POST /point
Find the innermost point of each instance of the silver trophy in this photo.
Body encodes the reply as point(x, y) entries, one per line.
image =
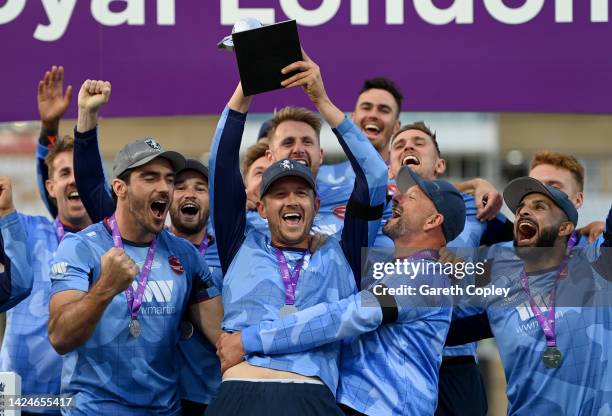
point(240, 26)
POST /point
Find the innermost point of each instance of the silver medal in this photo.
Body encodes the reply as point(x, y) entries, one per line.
point(552, 357)
point(134, 327)
point(288, 310)
point(186, 330)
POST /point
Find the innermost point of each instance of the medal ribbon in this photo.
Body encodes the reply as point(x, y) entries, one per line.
point(134, 300)
point(204, 245)
point(59, 230)
point(290, 279)
point(547, 323)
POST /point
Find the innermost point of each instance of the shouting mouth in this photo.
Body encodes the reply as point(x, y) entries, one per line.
point(159, 208)
point(190, 210)
point(74, 196)
point(292, 219)
point(526, 232)
point(302, 161)
point(411, 160)
point(372, 129)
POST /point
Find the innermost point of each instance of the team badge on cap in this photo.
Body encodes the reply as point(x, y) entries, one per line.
point(153, 144)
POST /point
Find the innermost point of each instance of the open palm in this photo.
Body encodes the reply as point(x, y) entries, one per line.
point(52, 100)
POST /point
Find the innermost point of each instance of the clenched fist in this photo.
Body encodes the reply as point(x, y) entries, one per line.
point(117, 270)
point(6, 196)
point(93, 95)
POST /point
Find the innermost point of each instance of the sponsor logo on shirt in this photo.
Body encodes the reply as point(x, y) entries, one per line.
point(59, 268)
point(159, 293)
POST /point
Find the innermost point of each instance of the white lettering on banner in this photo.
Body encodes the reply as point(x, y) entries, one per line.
point(11, 10)
point(323, 14)
point(599, 11)
point(462, 11)
point(231, 13)
point(133, 14)
point(514, 16)
point(360, 12)
point(166, 13)
point(59, 13)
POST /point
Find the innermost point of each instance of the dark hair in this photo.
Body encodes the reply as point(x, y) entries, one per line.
point(382, 83)
point(125, 177)
point(422, 127)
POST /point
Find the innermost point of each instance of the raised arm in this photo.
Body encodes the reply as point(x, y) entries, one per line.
point(75, 308)
point(52, 105)
point(365, 206)
point(91, 183)
point(17, 279)
point(227, 193)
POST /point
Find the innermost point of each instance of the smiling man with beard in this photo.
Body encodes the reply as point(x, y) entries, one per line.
point(461, 388)
point(120, 346)
point(271, 274)
point(553, 329)
point(390, 361)
point(199, 372)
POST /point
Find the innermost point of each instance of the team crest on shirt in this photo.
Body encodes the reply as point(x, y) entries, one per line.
point(339, 211)
point(176, 265)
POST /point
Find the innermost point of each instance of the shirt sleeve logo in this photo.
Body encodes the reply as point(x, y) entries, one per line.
point(59, 268)
point(176, 265)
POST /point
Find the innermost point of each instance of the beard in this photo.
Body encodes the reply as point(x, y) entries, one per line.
point(138, 208)
point(189, 228)
point(546, 239)
point(395, 230)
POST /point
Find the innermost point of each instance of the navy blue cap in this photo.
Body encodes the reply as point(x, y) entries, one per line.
point(264, 129)
point(193, 164)
point(519, 188)
point(445, 197)
point(282, 169)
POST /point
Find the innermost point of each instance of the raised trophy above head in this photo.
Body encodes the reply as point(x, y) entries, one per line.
point(240, 26)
